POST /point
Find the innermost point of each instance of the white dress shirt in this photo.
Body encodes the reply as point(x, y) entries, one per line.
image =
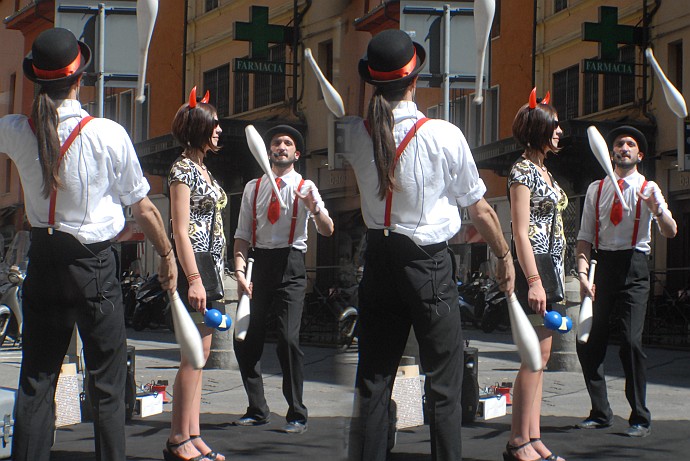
point(614, 238)
point(100, 173)
point(436, 174)
point(277, 235)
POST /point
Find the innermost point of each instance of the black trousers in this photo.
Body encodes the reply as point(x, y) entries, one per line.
point(622, 282)
point(69, 283)
point(405, 286)
point(280, 281)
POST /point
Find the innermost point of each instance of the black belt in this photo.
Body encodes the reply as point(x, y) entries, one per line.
point(382, 234)
point(46, 234)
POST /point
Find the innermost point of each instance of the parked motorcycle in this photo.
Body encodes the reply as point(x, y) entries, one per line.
point(14, 271)
point(471, 299)
point(152, 308)
point(495, 316)
point(130, 285)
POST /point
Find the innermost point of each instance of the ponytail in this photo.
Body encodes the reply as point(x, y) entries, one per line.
point(45, 119)
point(381, 123)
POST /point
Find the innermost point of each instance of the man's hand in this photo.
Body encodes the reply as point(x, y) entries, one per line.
point(167, 272)
point(505, 272)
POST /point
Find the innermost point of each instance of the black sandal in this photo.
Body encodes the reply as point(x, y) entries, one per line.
point(212, 455)
point(509, 454)
point(551, 457)
point(168, 455)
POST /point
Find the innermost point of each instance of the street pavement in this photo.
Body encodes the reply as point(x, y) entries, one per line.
point(328, 395)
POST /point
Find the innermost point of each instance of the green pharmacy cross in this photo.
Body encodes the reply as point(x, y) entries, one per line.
point(609, 33)
point(259, 32)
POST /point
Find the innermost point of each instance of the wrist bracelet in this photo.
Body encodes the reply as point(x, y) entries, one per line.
point(505, 254)
point(166, 254)
point(533, 279)
point(193, 276)
point(583, 273)
point(240, 270)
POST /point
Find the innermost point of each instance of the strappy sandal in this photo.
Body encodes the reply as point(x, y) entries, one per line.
point(212, 455)
point(509, 454)
point(551, 457)
point(168, 454)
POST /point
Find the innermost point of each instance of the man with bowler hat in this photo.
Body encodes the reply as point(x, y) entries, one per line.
point(619, 241)
point(77, 173)
point(277, 240)
point(413, 175)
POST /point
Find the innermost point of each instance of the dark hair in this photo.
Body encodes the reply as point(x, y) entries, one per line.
point(533, 128)
point(45, 118)
point(381, 123)
point(194, 126)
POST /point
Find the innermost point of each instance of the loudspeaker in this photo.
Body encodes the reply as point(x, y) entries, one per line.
point(130, 390)
point(469, 399)
point(130, 383)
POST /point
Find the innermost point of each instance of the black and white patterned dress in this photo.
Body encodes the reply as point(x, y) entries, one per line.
point(542, 199)
point(203, 198)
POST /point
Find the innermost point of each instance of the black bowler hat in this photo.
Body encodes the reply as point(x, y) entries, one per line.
point(57, 58)
point(630, 131)
point(286, 130)
point(392, 59)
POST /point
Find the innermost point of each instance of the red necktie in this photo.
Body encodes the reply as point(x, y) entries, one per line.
point(274, 206)
point(617, 207)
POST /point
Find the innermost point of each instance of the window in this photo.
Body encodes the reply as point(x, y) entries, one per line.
point(325, 60)
point(217, 83)
point(491, 115)
point(433, 111)
point(240, 92)
point(124, 114)
point(566, 92)
point(270, 88)
point(620, 89)
point(559, 5)
point(675, 64)
point(474, 128)
point(590, 98)
point(141, 118)
point(110, 107)
point(458, 113)
point(210, 5)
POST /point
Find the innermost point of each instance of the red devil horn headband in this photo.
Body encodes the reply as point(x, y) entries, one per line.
point(533, 98)
point(192, 98)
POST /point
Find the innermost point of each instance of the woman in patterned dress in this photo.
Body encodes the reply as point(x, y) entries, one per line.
point(533, 195)
point(195, 197)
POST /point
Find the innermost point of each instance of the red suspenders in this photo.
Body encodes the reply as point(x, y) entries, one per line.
point(398, 152)
point(63, 150)
point(638, 210)
point(293, 223)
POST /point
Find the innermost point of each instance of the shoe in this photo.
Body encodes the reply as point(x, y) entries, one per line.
point(638, 430)
point(295, 427)
point(509, 454)
point(551, 457)
point(168, 455)
point(593, 424)
point(250, 421)
point(212, 455)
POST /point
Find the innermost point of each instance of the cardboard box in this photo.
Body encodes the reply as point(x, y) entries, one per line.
point(407, 397)
point(149, 404)
point(67, 403)
point(491, 406)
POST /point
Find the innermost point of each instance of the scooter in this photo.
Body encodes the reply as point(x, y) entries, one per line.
point(152, 308)
point(11, 314)
point(472, 299)
point(130, 285)
point(11, 317)
point(495, 316)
